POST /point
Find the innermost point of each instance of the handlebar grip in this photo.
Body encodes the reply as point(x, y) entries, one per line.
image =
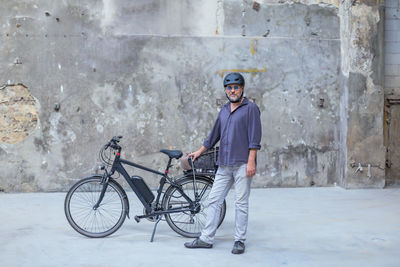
point(116, 138)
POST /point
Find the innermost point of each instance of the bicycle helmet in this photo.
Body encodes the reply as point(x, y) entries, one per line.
point(233, 78)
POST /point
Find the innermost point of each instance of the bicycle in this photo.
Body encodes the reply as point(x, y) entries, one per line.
point(97, 206)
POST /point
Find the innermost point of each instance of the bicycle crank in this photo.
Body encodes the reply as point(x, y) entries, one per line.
point(151, 218)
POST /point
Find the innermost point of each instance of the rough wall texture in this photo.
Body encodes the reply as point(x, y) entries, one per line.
point(19, 113)
point(363, 151)
point(152, 72)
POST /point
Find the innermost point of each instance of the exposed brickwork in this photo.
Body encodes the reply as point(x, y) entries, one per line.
point(19, 114)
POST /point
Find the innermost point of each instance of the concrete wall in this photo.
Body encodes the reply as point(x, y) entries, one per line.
point(152, 72)
point(362, 98)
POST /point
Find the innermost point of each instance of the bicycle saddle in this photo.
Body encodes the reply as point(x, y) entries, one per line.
point(176, 154)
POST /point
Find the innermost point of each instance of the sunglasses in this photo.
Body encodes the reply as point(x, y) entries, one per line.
point(230, 87)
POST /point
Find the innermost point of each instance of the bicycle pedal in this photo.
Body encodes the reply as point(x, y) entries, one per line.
point(137, 219)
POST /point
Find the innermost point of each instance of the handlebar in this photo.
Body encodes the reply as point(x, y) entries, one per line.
point(113, 143)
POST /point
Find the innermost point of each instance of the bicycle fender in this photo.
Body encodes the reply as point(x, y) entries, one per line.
point(189, 175)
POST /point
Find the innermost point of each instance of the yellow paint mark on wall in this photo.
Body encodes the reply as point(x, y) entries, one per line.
point(253, 44)
point(253, 71)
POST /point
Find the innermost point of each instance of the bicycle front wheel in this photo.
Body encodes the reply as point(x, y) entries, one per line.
point(84, 218)
point(186, 223)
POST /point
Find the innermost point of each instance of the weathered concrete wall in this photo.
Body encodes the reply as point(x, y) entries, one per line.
point(362, 97)
point(152, 72)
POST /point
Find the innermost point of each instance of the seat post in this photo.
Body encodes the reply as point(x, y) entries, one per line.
point(169, 165)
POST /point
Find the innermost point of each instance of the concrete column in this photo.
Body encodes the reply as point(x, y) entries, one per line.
point(362, 98)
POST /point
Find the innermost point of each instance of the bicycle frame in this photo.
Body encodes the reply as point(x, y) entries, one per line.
point(118, 167)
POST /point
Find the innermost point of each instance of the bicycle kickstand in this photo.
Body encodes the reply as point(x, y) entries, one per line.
point(155, 227)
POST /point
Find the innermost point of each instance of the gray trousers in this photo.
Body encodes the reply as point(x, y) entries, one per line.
point(224, 179)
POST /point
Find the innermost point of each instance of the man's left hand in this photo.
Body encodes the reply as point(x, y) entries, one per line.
point(250, 169)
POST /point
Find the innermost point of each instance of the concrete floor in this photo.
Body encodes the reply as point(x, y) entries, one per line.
point(287, 227)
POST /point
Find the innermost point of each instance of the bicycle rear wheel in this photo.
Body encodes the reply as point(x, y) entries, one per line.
point(100, 222)
point(186, 223)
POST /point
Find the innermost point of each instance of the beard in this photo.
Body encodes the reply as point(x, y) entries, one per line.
point(234, 98)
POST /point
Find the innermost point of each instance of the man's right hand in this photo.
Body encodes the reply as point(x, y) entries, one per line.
point(197, 154)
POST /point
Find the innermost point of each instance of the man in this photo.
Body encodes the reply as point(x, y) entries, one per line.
point(238, 128)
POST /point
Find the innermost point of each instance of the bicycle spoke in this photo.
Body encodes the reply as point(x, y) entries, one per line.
point(186, 223)
point(203, 191)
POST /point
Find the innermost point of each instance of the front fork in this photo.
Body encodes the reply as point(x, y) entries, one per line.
point(104, 182)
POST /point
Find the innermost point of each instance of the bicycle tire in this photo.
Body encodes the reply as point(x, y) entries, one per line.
point(103, 221)
point(185, 223)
